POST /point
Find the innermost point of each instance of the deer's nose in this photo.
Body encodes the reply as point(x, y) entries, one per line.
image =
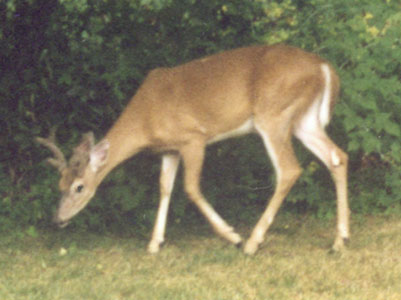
point(60, 223)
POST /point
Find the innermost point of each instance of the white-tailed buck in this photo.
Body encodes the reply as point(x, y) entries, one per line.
point(275, 91)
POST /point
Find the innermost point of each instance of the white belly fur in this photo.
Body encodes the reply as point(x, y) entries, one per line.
point(245, 128)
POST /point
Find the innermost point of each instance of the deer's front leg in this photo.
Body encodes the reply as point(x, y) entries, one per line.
point(193, 155)
point(168, 173)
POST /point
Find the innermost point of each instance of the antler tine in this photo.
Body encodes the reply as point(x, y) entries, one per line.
point(58, 160)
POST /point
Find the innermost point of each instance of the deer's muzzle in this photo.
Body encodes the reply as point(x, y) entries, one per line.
point(60, 223)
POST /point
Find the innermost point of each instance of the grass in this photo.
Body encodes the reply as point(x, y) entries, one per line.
point(294, 263)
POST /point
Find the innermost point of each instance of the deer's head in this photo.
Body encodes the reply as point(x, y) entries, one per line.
point(79, 176)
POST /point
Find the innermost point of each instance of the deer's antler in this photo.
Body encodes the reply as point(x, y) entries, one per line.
point(58, 160)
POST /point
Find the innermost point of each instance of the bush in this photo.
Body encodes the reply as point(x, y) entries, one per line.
point(75, 64)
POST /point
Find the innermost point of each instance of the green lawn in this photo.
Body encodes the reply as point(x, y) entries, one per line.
point(294, 263)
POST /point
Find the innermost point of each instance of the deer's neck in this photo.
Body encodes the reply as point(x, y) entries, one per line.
point(126, 138)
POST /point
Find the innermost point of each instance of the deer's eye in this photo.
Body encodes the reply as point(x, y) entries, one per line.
point(80, 188)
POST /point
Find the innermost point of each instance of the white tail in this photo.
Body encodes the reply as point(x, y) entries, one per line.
point(276, 91)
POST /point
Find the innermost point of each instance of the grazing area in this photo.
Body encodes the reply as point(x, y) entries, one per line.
point(293, 263)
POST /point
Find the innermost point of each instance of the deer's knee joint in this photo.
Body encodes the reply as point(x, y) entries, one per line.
point(193, 193)
point(289, 176)
point(338, 158)
point(297, 171)
point(165, 190)
point(294, 173)
point(335, 159)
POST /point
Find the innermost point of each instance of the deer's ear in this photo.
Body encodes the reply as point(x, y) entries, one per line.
point(87, 143)
point(99, 154)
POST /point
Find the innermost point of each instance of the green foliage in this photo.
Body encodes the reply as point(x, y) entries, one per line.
point(75, 64)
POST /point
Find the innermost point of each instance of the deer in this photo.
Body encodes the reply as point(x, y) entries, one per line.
point(276, 91)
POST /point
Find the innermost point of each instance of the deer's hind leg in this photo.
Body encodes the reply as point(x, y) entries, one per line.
point(336, 160)
point(276, 136)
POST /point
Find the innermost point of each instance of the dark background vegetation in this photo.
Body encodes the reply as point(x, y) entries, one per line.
point(75, 64)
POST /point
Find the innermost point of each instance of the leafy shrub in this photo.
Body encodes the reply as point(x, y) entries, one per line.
point(75, 64)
